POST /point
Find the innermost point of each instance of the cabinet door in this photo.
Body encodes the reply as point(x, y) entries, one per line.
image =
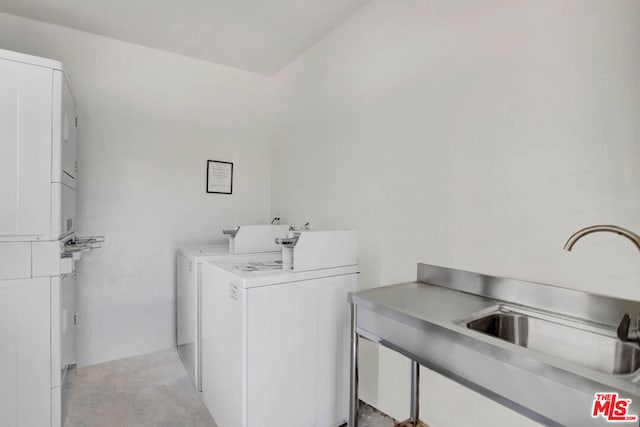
point(25, 151)
point(25, 394)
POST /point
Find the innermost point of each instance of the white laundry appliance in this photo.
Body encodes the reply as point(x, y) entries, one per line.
point(243, 240)
point(38, 246)
point(275, 342)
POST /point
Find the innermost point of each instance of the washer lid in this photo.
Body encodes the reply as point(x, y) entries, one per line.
point(232, 270)
point(204, 251)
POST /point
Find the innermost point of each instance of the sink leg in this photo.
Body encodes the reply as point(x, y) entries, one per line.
point(414, 418)
point(415, 392)
point(353, 391)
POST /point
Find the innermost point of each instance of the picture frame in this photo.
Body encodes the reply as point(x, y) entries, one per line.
point(219, 177)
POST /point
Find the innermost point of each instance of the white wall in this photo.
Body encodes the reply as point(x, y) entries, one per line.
point(474, 135)
point(149, 120)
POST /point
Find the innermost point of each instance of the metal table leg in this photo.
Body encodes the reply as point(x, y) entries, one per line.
point(354, 402)
point(415, 392)
point(414, 418)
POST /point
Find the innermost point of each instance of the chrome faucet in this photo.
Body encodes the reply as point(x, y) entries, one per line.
point(596, 228)
point(623, 328)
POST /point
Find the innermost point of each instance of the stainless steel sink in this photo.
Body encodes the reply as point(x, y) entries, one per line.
point(590, 345)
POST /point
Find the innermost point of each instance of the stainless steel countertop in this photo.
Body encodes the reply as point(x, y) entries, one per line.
point(416, 304)
point(424, 322)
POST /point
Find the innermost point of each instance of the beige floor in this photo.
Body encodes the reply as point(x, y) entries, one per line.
point(149, 391)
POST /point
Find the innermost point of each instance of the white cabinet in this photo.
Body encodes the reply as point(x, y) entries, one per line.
point(25, 152)
point(37, 208)
point(25, 391)
point(38, 163)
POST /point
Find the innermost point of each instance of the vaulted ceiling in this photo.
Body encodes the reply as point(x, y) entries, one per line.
point(255, 35)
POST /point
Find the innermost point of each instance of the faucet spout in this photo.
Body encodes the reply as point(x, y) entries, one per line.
point(635, 239)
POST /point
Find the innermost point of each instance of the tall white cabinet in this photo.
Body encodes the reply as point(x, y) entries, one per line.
point(38, 172)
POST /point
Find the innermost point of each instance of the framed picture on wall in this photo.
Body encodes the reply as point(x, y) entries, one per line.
point(219, 177)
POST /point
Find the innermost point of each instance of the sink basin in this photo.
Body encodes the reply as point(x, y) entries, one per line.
point(589, 345)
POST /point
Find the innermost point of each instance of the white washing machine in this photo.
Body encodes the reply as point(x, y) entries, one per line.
point(275, 343)
point(251, 239)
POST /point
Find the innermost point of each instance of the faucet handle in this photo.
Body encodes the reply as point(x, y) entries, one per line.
point(623, 328)
point(623, 331)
